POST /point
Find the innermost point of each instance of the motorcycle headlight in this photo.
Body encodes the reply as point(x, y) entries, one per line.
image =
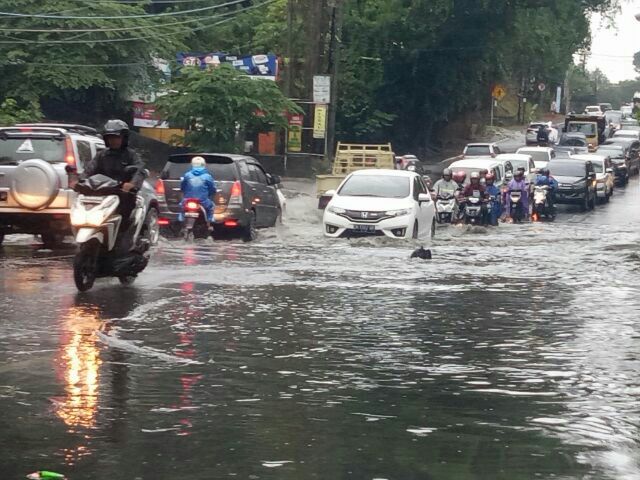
point(397, 213)
point(337, 210)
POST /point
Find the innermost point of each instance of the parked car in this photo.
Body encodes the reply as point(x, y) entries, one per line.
point(492, 165)
point(481, 150)
point(576, 182)
point(391, 203)
point(37, 166)
point(605, 174)
point(541, 155)
point(246, 197)
point(632, 152)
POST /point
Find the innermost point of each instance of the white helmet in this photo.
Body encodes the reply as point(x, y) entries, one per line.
point(198, 162)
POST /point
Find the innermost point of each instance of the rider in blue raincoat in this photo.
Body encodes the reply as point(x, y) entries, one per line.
point(198, 183)
point(494, 193)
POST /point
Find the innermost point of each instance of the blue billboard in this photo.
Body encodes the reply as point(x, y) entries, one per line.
point(265, 66)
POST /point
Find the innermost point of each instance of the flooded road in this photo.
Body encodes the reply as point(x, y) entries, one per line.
point(513, 354)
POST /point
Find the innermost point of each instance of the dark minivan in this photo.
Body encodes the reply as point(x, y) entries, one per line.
point(576, 182)
point(246, 197)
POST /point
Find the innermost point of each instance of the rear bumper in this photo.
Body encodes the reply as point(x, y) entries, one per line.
point(35, 222)
point(571, 196)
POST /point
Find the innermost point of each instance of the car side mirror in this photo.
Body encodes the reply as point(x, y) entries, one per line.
point(424, 198)
point(274, 179)
point(329, 193)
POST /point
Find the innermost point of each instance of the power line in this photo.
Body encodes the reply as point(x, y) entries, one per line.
point(21, 41)
point(118, 17)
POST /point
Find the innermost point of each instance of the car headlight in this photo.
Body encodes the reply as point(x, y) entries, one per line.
point(337, 210)
point(397, 213)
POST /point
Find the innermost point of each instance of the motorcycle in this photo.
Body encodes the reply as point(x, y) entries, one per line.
point(474, 210)
point(445, 207)
point(541, 204)
point(96, 225)
point(195, 219)
point(517, 210)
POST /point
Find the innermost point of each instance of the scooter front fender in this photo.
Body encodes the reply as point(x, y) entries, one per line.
point(84, 234)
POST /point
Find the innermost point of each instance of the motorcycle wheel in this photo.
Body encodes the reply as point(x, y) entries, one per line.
point(85, 266)
point(127, 280)
point(152, 229)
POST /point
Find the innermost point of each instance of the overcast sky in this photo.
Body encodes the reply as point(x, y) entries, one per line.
point(613, 48)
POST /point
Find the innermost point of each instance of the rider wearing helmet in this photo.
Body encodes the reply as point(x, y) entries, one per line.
point(475, 188)
point(519, 182)
point(494, 195)
point(198, 183)
point(459, 178)
point(113, 162)
point(545, 178)
point(446, 185)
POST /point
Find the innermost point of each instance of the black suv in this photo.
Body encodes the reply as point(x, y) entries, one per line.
point(632, 152)
point(246, 197)
point(576, 182)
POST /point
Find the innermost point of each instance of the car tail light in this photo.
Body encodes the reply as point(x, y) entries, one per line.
point(163, 222)
point(192, 205)
point(231, 223)
point(236, 193)
point(70, 155)
point(160, 188)
point(25, 129)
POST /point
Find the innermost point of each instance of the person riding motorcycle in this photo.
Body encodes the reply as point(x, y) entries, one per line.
point(519, 182)
point(113, 162)
point(545, 178)
point(446, 185)
point(470, 190)
point(494, 194)
point(198, 183)
point(459, 178)
point(543, 135)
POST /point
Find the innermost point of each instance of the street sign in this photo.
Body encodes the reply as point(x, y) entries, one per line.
point(322, 89)
point(498, 92)
point(542, 87)
point(320, 121)
point(294, 137)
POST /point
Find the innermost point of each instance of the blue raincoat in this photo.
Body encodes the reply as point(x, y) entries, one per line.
point(496, 205)
point(199, 183)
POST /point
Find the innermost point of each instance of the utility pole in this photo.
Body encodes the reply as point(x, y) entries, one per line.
point(290, 62)
point(337, 18)
point(567, 89)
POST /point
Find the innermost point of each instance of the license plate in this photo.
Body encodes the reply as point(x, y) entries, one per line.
point(364, 228)
point(192, 215)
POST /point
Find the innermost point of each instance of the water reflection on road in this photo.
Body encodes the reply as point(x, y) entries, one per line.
point(514, 354)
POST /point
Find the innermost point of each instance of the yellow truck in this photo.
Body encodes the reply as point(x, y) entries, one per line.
point(349, 158)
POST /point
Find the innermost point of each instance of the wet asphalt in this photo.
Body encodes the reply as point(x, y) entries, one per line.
point(513, 354)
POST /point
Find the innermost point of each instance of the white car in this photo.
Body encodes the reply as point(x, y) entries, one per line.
point(491, 165)
point(593, 110)
point(481, 150)
point(541, 155)
point(605, 176)
point(391, 203)
point(514, 161)
point(633, 134)
point(627, 111)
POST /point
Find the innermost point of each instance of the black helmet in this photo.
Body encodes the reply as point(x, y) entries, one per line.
point(117, 127)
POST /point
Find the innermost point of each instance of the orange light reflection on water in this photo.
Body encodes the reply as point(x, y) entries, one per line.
point(78, 364)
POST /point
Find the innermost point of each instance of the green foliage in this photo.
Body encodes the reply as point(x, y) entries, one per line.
point(218, 105)
point(11, 112)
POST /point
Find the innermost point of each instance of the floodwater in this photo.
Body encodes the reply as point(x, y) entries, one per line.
point(513, 354)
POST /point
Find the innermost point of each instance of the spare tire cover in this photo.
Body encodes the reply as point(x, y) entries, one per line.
point(34, 184)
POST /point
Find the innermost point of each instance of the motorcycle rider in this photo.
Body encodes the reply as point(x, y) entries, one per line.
point(446, 185)
point(519, 182)
point(494, 192)
point(198, 183)
point(543, 135)
point(469, 190)
point(545, 178)
point(459, 178)
point(112, 163)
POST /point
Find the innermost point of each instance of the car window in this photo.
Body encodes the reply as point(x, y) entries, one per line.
point(257, 174)
point(553, 154)
point(497, 150)
point(222, 170)
point(244, 170)
point(84, 151)
point(14, 150)
point(497, 175)
point(477, 150)
point(380, 186)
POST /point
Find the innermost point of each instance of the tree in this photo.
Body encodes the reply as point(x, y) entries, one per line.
point(216, 105)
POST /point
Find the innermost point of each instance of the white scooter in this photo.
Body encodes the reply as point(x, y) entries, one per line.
point(445, 207)
point(96, 226)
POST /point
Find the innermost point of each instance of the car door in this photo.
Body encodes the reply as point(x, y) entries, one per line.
point(263, 198)
point(425, 209)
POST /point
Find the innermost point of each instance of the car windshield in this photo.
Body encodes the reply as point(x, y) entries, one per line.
point(611, 152)
point(630, 127)
point(589, 129)
point(573, 141)
point(573, 169)
point(383, 186)
point(520, 164)
point(626, 133)
point(223, 171)
point(477, 150)
point(537, 155)
point(15, 150)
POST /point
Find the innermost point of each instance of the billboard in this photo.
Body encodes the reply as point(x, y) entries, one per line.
point(145, 115)
point(260, 66)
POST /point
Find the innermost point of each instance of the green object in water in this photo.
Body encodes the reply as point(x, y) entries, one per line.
point(45, 475)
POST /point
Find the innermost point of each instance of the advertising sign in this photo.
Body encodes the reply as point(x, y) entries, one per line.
point(259, 66)
point(320, 121)
point(144, 115)
point(294, 137)
point(322, 89)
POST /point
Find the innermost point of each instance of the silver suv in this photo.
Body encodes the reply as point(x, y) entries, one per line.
point(37, 164)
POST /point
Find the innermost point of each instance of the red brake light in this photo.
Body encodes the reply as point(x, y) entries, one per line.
point(70, 156)
point(236, 189)
point(163, 222)
point(230, 223)
point(25, 129)
point(159, 187)
point(192, 205)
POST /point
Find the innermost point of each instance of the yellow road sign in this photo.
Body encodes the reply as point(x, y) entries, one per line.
point(498, 92)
